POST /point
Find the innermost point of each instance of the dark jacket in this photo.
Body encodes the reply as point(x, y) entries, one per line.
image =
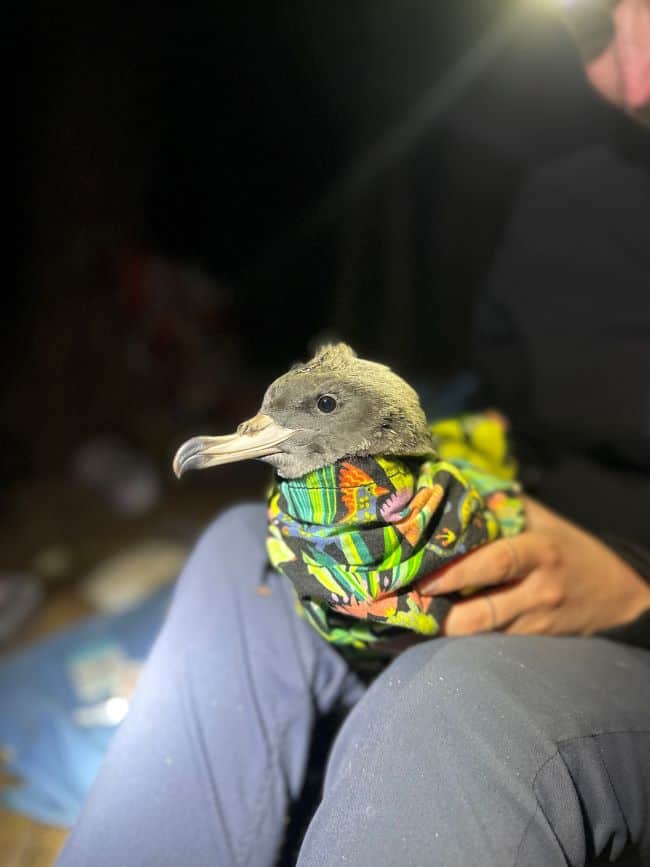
point(562, 344)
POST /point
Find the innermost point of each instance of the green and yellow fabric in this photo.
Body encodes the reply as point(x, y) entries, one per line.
point(353, 537)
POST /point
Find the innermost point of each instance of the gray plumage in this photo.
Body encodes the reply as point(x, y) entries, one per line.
point(334, 406)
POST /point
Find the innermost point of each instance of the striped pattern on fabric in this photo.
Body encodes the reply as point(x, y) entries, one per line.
point(353, 537)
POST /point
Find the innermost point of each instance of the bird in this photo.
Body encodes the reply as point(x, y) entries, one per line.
point(334, 405)
point(369, 496)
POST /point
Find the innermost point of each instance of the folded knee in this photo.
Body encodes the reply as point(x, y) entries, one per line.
point(460, 686)
point(236, 528)
point(472, 659)
point(231, 547)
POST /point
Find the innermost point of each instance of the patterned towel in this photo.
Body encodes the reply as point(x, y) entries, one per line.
point(355, 535)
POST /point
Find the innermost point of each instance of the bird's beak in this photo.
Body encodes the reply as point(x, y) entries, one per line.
point(256, 438)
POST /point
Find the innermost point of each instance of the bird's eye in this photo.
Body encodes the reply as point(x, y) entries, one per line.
point(326, 403)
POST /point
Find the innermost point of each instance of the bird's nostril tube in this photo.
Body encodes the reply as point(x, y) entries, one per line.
point(254, 425)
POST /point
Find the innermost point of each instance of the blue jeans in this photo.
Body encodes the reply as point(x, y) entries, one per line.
point(491, 750)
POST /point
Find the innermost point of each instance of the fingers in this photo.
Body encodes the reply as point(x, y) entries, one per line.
point(495, 563)
point(528, 607)
point(533, 623)
point(537, 515)
point(488, 612)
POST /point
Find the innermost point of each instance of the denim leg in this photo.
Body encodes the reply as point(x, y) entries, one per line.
point(202, 770)
point(496, 750)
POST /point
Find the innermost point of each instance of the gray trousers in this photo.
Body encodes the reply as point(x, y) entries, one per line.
point(491, 750)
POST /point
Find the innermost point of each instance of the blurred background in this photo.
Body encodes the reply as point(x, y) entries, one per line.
point(203, 190)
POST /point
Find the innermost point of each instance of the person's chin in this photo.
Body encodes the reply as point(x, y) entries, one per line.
point(642, 115)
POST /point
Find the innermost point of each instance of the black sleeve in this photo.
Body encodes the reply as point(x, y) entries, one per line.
point(561, 331)
point(638, 631)
point(562, 345)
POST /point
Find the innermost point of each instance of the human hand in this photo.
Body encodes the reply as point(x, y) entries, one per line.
point(552, 579)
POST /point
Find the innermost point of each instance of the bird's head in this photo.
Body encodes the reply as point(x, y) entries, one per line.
point(336, 405)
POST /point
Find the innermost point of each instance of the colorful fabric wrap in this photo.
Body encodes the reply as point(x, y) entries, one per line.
point(353, 537)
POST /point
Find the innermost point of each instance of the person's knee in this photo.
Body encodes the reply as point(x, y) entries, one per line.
point(473, 661)
point(432, 745)
point(240, 525)
point(231, 548)
point(448, 693)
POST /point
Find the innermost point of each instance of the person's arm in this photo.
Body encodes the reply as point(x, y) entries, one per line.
point(553, 579)
point(638, 557)
point(554, 350)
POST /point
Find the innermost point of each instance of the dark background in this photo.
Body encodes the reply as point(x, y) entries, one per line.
point(170, 253)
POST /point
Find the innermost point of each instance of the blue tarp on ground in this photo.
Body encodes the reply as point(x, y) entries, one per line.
point(42, 690)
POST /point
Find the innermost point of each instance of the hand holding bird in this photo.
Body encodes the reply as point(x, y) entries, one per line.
point(552, 579)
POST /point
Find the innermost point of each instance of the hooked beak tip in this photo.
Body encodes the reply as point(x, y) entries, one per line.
point(188, 455)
